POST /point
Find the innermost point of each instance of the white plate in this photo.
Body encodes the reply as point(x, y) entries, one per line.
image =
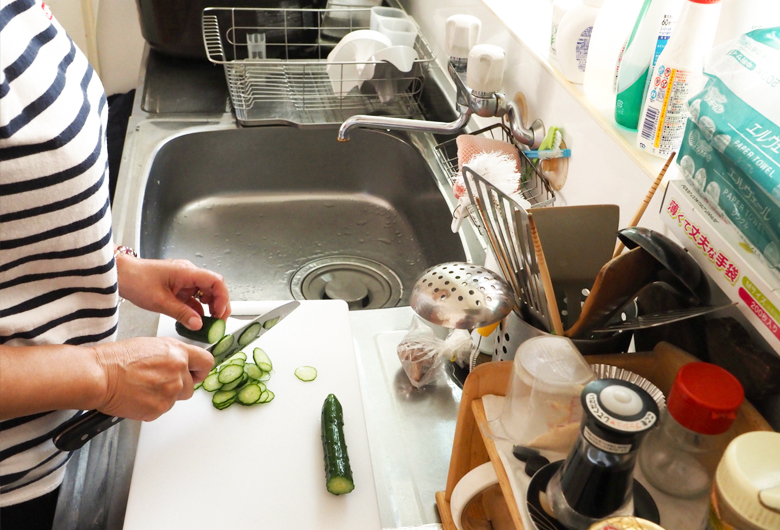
point(347, 60)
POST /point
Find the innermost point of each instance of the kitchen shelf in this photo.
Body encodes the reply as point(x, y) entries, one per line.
point(473, 445)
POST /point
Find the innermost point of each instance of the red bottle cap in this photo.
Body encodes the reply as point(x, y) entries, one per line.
point(705, 1)
point(704, 398)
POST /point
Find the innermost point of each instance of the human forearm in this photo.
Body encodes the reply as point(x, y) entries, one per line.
point(42, 378)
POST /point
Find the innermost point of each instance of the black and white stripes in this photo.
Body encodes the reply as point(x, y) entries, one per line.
point(57, 271)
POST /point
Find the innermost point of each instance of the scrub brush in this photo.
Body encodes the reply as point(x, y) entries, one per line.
point(498, 169)
point(553, 157)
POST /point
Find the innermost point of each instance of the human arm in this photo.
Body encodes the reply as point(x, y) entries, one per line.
point(138, 378)
point(169, 287)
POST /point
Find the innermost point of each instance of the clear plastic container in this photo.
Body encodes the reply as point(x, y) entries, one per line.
point(542, 408)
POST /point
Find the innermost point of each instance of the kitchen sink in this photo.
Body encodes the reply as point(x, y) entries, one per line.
point(287, 212)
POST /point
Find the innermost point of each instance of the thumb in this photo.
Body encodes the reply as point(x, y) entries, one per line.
point(184, 314)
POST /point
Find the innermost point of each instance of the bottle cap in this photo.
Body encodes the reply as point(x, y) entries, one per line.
point(748, 478)
point(704, 398)
point(705, 1)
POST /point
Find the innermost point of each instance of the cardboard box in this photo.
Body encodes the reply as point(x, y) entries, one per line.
point(726, 257)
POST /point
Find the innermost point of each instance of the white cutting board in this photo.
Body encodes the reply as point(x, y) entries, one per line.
point(198, 468)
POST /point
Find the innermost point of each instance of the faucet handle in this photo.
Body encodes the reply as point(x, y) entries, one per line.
point(461, 34)
point(485, 70)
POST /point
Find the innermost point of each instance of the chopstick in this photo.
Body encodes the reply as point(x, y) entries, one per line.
point(544, 272)
point(642, 207)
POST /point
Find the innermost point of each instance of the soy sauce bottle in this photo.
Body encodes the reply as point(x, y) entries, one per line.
point(596, 479)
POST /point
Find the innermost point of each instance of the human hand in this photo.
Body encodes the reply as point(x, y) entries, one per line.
point(169, 287)
point(145, 376)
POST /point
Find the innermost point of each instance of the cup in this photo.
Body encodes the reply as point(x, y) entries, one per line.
point(400, 30)
point(379, 14)
point(542, 408)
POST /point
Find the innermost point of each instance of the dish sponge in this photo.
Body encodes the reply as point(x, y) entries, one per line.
point(470, 146)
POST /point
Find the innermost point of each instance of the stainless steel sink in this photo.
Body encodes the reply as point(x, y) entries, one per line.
point(286, 212)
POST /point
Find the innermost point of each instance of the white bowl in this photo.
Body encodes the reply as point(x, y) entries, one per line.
point(387, 81)
point(348, 59)
point(400, 31)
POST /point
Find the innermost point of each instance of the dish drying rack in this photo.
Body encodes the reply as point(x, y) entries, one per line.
point(504, 223)
point(292, 83)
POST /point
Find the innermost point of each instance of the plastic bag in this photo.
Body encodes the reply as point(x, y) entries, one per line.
point(421, 353)
point(731, 146)
point(459, 347)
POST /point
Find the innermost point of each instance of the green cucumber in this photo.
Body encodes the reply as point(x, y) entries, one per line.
point(249, 334)
point(230, 373)
point(262, 360)
point(211, 383)
point(338, 474)
point(237, 384)
point(223, 347)
point(268, 324)
point(253, 371)
point(223, 399)
point(210, 332)
point(249, 395)
point(306, 373)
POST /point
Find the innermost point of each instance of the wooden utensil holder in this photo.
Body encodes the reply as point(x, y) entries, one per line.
point(473, 447)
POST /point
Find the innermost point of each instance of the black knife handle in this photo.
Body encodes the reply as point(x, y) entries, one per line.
point(74, 433)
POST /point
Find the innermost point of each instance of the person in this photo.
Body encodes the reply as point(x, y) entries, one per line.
point(61, 276)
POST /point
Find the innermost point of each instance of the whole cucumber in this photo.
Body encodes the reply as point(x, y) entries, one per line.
point(338, 474)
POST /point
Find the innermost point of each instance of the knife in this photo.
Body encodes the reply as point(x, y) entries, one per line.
point(661, 318)
point(74, 433)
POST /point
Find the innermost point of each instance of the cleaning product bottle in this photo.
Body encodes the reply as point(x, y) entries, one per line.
point(648, 38)
point(573, 39)
point(678, 71)
point(610, 31)
point(743, 16)
point(560, 7)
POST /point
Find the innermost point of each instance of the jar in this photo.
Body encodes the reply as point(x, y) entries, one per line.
point(746, 490)
point(680, 456)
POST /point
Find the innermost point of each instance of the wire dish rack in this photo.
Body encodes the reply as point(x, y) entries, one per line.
point(504, 223)
point(292, 82)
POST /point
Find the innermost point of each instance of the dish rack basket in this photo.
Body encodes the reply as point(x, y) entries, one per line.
point(504, 223)
point(291, 84)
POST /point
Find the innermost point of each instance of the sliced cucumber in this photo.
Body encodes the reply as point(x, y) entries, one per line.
point(238, 356)
point(265, 377)
point(223, 346)
point(250, 334)
point(261, 360)
point(269, 397)
point(210, 332)
point(223, 399)
point(306, 373)
point(253, 371)
point(264, 396)
point(211, 383)
point(230, 373)
point(338, 474)
point(236, 384)
point(268, 324)
point(249, 395)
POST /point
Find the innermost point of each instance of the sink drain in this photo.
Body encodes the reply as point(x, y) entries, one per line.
point(362, 283)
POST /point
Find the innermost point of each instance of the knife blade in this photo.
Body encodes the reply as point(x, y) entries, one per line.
point(76, 432)
point(661, 318)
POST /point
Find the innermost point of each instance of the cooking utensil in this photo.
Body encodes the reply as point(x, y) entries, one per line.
point(663, 317)
point(544, 273)
point(578, 241)
point(459, 295)
point(680, 270)
point(74, 433)
point(617, 283)
point(642, 207)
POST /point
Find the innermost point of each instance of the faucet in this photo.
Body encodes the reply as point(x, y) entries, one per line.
point(482, 66)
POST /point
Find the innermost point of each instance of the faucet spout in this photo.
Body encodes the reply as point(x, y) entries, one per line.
point(402, 124)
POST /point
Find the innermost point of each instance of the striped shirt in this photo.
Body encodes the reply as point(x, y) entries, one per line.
point(58, 282)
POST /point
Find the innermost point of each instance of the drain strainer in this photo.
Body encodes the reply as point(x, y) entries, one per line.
point(362, 283)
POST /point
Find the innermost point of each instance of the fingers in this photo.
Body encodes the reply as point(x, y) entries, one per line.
point(210, 286)
point(200, 363)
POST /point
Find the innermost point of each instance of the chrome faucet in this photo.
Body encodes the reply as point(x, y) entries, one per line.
point(483, 68)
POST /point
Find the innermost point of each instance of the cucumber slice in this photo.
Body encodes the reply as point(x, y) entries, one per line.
point(210, 332)
point(306, 373)
point(236, 384)
point(338, 474)
point(261, 360)
point(198, 386)
point(223, 399)
point(250, 334)
point(238, 356)
point(249, 395)
point(211, 383)
point(230, 373)
point(237, 362)
point(268, 324)
point(270, 397)
point(264, 396)
point(265, 377)
point(223, 346)
point(253, 371)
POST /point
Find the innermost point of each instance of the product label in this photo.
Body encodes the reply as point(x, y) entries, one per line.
point(762, 315)
point(609, 447)
point(581, 50)
point(645, 422)
point(666, 111)
point(663, 36)
point(553, 34)
point(719, 260)
point(617, 66)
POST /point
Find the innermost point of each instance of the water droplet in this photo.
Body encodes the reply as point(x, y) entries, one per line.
point(198, 255)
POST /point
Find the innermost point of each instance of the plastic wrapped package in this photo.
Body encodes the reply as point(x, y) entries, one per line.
point(421, 353)
point(731, 146)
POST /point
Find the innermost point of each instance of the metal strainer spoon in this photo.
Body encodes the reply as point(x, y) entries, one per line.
point(459, 295)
